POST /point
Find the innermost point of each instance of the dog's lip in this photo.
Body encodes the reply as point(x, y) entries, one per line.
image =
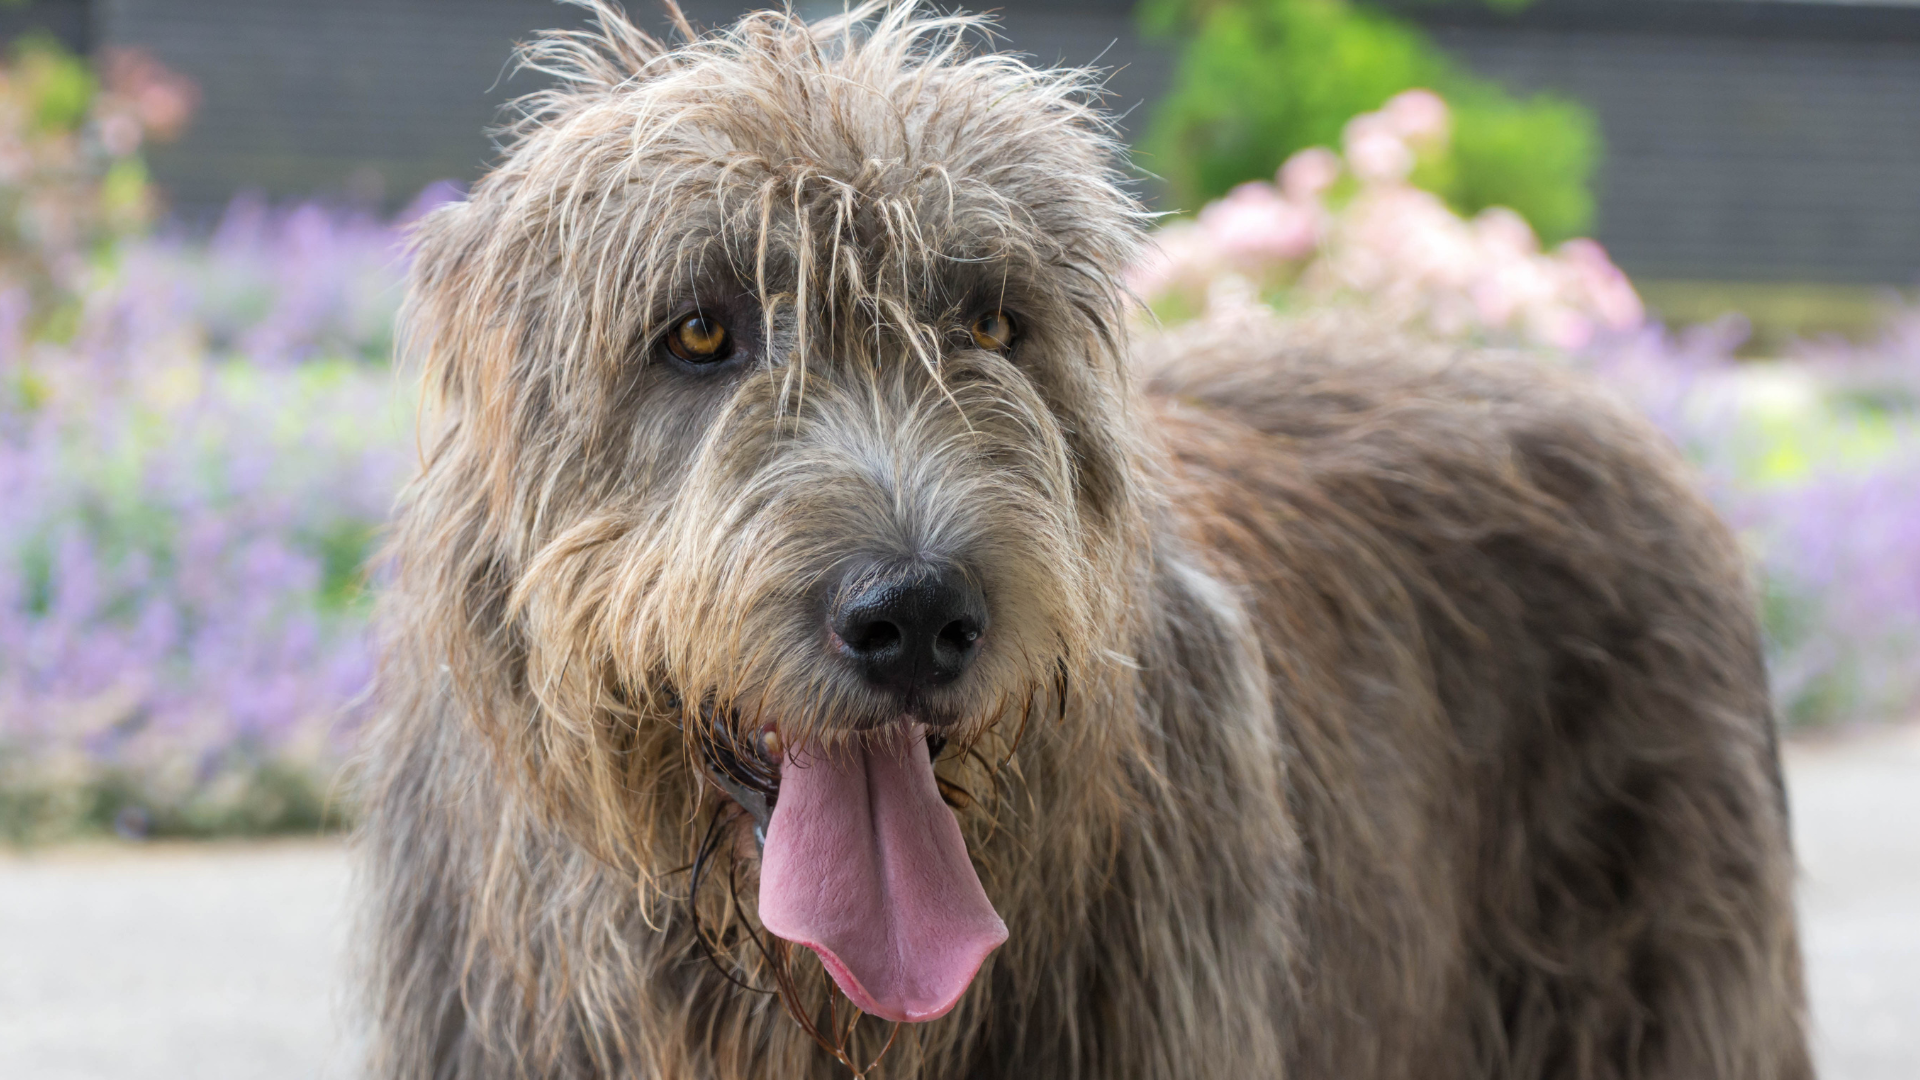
point(758, 803)
point(754, 794)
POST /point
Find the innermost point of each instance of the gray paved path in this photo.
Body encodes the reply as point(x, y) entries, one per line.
point(193, 962)
point(1856, 807)
point(223, 961)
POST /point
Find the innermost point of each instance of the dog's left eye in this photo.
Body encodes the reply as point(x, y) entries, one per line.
point(698, 339)
point(994, 331)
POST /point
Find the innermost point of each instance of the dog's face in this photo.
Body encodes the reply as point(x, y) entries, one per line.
point(781, 380)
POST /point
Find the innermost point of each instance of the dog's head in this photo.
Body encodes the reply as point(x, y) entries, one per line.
point(781, 455)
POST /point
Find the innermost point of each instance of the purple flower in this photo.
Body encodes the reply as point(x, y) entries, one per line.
point(193, 480)
point(1816, 460)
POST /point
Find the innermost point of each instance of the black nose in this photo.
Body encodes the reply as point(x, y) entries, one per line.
point(911, 631)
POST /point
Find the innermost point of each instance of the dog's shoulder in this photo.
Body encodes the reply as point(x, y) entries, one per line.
point(1341, 400)
point(1320, 377)
point(1434, 453)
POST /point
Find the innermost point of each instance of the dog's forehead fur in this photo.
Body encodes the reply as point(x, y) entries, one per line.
point(871, 163)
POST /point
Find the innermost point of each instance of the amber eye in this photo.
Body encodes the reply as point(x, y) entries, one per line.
point(994, 331)
point(699, 340)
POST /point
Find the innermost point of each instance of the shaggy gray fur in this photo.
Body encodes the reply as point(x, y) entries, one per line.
point(1353, 708)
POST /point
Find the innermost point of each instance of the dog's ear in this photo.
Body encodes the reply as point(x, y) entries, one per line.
point(465, 329)
point(470, 308)
point(443, 282)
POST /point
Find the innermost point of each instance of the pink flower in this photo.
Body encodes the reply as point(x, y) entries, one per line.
point(1309, 173)
point(1376, 150)
point(1179, 255)
point(119, 134)
point(1420, 117)
point(1395, 249)
point(1560, 327)
point(1255, 223)
point(1502, 229)
point(162, 99)
point(1605, 287)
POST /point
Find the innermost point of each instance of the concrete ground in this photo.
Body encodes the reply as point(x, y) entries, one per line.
point(1856, 807)
point(173, 962)
point(209, 962)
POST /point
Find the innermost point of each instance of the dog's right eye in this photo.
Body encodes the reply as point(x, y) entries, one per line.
point(698, 339)
point(995, 331)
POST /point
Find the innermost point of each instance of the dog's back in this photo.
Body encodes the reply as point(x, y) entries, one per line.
point(1541, 804)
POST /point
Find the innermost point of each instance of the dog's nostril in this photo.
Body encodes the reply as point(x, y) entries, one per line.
point(910, 631)
point(875, 636)
point(960, 633)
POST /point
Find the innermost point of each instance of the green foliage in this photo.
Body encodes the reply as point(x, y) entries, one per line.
point(1536, 157)
point(1506, 6)
point(57, 84)
point(260, 799)
point(344, 550)
point(74, 184)
point(1259, 80)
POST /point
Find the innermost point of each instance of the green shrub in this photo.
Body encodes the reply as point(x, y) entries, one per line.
point(73, 183)
point(1261, 79)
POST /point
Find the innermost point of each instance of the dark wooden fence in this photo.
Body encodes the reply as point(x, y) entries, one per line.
point(1750, 140)
point(1747, 139)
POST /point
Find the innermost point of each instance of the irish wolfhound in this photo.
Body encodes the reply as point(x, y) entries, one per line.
point(806, 554)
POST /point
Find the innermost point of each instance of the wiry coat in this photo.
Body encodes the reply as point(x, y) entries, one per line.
point(1353, 709)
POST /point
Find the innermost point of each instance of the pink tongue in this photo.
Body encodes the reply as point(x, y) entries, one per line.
point(865, 865)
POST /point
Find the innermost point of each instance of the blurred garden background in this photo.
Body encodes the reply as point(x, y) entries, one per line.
point(202, 206)
point(1713, 205)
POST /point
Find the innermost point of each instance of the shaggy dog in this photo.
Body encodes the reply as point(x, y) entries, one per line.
point(822, 633)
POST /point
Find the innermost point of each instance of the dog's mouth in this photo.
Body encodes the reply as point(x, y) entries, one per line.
point(748, 772)
point(863, 862)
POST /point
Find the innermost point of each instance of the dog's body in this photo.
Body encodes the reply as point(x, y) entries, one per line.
point(1341, 708)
